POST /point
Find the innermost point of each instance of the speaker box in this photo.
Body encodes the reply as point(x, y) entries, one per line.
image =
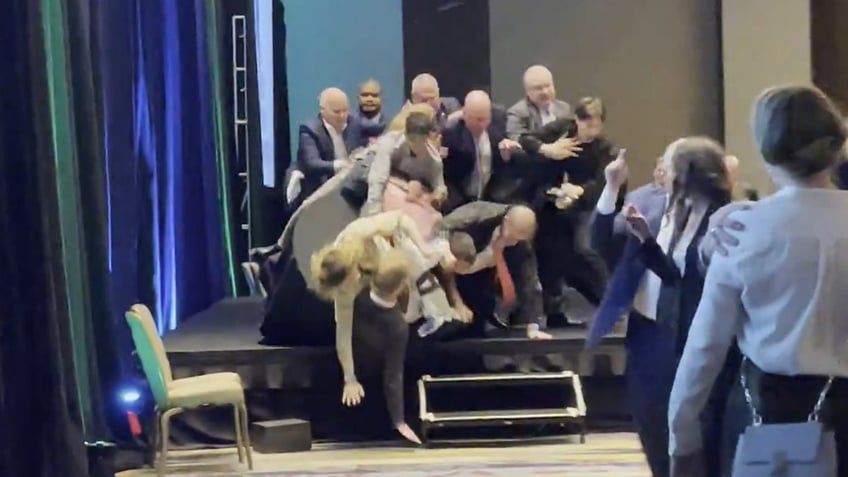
point(284, 435)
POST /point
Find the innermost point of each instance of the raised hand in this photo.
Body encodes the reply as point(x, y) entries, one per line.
point(637, 224)
point(616, 171)
point(352, 394)
point(564, 148)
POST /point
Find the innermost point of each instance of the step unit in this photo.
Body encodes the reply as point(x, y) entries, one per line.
point(572, 411)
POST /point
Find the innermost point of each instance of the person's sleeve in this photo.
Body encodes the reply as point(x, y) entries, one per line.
point(343, 307)
point(659, 262)
point(532, 141)
point(716, 324)
point(393, 372)
point(530, 289)
point(592, 189)
point(378, 175)
point(516, 124)
point(310, 161)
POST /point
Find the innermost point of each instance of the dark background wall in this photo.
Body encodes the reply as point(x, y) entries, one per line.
point(656, 63)
point(449, 39)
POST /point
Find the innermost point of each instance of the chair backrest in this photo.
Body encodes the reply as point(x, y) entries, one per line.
point(151, 352)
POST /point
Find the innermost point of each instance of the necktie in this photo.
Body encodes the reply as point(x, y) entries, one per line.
point(502, 276)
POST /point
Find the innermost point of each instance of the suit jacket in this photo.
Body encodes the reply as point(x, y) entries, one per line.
point(585, 170)
point(680, 293)
point(479, 220)
point(315, 151)
point(449, 105)
point(524, 117)
point(461, 160)
point(370, 129)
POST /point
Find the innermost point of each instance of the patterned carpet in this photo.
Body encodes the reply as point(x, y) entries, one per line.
point(603, 455)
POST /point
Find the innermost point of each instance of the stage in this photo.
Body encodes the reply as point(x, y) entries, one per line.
point(227, 335)
point(304, 382)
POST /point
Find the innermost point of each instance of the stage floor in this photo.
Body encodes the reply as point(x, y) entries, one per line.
point(615, 454)
point(227, 335)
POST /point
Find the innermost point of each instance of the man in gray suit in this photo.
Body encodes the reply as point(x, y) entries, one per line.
point(425, 89)
point(538, 107)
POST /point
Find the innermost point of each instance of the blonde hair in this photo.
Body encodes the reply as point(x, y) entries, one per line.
point(332, 266)
point(398, 123)
point(392, 274)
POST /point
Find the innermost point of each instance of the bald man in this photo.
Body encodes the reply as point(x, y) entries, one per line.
point(478, 154)
point(325, 142)
point(425, 89)
point(370, 114)
point(539, 106)
point(501, 284)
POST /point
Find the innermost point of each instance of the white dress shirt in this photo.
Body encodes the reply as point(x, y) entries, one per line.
point(482, 167)
point(339, 147)
point(782, 293)
point(648, 294)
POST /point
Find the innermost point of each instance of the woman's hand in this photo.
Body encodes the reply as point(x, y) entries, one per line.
point(637, 224)
point(414, 191)
point(352, 394)
point(464, 313)
point(616, 171)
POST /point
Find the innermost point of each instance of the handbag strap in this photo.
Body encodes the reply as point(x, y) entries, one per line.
point(758, 418)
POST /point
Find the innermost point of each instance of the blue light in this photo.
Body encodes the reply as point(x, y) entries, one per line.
point(130, 396)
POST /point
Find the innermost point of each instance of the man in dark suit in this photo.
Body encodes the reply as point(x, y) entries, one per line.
point(326, 142)
point(476, 164)
point(501, 236)
point(425, 89)
point(539, 107)
point(372, 121)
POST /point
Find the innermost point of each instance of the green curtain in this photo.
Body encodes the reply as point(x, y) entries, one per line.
point(75, 118)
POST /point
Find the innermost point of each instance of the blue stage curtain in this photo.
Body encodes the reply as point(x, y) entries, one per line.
point(168, 244)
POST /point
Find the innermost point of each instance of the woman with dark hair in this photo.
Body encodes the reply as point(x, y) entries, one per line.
point(781, 292)
point(659, 281)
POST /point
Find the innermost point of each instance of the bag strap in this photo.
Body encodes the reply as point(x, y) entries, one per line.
point(758, 418)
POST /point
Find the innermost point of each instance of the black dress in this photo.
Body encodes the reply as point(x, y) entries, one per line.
point(380, 336)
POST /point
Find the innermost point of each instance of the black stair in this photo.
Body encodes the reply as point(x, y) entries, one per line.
point(527, 391)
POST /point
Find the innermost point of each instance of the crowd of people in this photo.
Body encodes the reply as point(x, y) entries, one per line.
point(455, 219)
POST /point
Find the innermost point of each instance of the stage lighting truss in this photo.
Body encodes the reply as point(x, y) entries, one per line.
point(241, 132)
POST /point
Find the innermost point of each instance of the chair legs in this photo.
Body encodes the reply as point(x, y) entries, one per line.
point(164, 420)
point(245, 435)
point(239, 435)
point(163, 426)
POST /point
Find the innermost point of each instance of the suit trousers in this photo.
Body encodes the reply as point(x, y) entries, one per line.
point(651, 365)
point(787, 399)
point(565, 257)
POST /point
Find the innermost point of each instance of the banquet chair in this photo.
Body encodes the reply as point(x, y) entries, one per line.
point(174, 396)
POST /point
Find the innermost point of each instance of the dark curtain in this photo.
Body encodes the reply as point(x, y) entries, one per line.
point(56, 354)
point(170, 230)
point(459, 55)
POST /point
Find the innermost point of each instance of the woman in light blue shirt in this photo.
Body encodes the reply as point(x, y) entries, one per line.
point(782, 292)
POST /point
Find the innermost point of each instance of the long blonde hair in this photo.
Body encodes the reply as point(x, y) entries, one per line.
point(332, 266)
point(398, 123)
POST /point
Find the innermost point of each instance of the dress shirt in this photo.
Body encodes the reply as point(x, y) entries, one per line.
point(780, 293)
point(482, 167)
point(339, 147)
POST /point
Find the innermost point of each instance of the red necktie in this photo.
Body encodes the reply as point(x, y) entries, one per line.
point(502, 276)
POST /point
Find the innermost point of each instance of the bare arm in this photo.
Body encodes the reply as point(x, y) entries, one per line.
point(343, 306)
point(386, 224)
point(716, 323)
